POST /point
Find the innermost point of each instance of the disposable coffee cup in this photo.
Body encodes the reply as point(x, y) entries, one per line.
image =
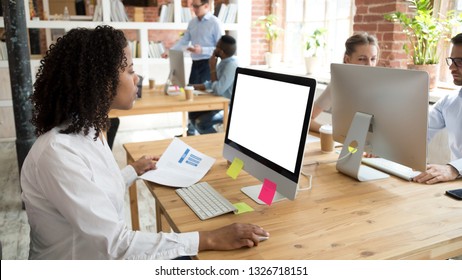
point(189, 92)
point(152, 83)
point(327, 140)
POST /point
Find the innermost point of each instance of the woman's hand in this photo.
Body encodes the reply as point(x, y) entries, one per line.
point(145, 163)
point(231, 237)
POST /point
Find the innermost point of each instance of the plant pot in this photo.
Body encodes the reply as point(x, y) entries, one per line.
point(431, 69)
point(272, 59)
point(312, 64)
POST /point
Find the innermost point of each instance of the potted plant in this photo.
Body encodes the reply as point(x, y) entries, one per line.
point(425, 31)
point(313, 43)
point(272, 31)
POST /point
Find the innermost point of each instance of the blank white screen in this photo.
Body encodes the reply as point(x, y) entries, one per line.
point(267, 118)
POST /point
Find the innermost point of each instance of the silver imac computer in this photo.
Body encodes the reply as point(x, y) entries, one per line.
point(382, 111)
point(176, 75)
point(267, 127)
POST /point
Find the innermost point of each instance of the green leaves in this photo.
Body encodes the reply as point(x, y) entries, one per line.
point(424, 30)
point(315, 41)
point(269, 24)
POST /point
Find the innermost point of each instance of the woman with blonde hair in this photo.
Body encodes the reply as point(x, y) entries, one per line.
point(360, 49)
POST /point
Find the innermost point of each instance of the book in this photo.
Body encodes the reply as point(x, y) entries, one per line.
point(163, 13)
point(98, 13)
point(118, 13)
point(138, 15)
point(223, 10)
point(156, 49)
point(170, 12)
point(231, 13)
point(3, 51)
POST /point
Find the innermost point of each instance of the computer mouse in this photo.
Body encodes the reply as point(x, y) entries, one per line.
point(262, 238)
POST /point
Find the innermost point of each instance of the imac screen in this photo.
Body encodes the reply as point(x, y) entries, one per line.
point(177, 71)
point(396, 101)
point(269, 119)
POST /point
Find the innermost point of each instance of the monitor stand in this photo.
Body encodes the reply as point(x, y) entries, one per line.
point(354, 145)
point(169, 81)
point(254, 191)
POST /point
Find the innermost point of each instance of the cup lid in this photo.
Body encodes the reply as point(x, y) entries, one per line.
point(189, 88)
point(327, 128)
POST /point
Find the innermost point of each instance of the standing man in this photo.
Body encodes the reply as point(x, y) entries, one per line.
point(221, 83)
point(200, 38)
point(447, 113)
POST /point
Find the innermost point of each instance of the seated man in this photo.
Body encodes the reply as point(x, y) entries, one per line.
point(221, 83)
point(447, 113)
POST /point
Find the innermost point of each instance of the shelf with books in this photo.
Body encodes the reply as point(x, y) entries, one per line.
point(240, 29)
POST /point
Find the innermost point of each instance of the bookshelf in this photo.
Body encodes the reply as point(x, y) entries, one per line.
point(149, 68)
point(155, 68)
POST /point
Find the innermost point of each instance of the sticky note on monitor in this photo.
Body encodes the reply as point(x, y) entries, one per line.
point(235, 168)
point(267, 192)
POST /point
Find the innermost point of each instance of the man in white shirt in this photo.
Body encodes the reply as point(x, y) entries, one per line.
point(447, 113)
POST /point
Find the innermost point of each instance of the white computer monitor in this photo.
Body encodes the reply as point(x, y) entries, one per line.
point(267, 127)
point(176, 75)
point(382, 111)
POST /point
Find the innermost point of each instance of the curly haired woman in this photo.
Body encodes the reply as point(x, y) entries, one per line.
point(72, 187)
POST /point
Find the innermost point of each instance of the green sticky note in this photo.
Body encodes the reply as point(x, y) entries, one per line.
point(235, 168)
point(242, 207)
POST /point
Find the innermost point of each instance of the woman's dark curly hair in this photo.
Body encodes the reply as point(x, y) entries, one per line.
point(77, 80)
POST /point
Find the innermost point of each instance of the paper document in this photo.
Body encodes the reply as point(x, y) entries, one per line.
point(179, 166)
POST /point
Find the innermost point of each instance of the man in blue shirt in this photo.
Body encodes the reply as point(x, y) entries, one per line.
point(221, 83)
point(447, 113)
point(203, 33)
point(200, 39)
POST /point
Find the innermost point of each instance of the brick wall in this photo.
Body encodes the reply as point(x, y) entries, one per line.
point(259, 44)
point(369, 18)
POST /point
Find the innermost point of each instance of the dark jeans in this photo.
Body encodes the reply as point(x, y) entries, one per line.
point(204, 121)
point(200, 72)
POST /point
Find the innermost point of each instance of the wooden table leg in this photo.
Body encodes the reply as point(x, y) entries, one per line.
point(225, 116)
point(133, 195)
point(158, 217)
point(185, 124)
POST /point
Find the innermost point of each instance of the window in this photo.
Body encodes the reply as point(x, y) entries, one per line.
point(444, 6)
point(334, 15)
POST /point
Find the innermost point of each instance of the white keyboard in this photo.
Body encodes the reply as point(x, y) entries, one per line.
point(391, 167)
point(205, 201)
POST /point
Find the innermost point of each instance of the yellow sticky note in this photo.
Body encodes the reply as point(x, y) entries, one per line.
point(352, 150)
point(235, 168)
point(242, 207)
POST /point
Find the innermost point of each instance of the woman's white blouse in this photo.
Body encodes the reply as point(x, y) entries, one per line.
point(74, 192)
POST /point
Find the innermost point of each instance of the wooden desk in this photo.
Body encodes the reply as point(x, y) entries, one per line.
point(155, 101)
point(340, 218)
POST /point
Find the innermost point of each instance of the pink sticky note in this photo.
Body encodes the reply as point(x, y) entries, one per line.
point(267, 191)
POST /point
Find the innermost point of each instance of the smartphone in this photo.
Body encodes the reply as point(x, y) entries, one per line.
point(457, 194)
